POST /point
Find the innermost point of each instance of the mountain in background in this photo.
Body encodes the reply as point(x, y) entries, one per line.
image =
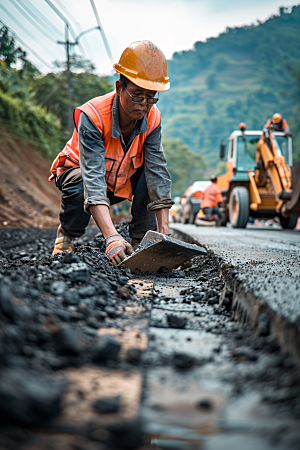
point(244, 75)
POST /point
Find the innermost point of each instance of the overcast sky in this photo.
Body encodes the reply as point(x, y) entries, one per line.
point(173, 25)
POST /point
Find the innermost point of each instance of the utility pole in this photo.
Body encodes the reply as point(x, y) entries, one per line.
point(67, 45)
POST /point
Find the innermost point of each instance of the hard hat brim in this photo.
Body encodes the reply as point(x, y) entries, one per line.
point(144, 84)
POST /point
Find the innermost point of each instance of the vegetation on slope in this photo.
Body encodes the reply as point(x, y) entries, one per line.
point(35, 108)
point(245, 74)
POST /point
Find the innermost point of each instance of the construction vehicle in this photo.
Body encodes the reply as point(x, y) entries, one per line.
point(260, 181)
point(191, 201)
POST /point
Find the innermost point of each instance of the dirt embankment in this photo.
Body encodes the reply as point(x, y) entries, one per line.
point(27, 198)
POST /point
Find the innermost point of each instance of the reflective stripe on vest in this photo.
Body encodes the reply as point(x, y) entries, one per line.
point(119, 166)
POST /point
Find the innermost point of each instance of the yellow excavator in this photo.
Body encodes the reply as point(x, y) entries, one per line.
point(260, 181)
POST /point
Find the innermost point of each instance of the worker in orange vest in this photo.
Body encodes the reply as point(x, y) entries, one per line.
point(277, 123)
point(115, 153)
point(209, 204)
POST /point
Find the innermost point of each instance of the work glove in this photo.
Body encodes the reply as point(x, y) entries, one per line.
point(117, 249)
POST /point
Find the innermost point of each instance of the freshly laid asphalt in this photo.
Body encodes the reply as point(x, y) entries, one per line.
point(265, 262)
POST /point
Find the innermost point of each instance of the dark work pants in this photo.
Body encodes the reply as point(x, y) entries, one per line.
point(74, 219)
point(211, 211)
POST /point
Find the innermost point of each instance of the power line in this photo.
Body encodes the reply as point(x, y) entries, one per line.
point(27, 46)
point(68, 13)
point(17, 22)
point(102, 32)
point(40, 17)
point(59, 13)
point(38, 27)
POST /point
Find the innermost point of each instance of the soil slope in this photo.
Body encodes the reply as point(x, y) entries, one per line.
point(27, 198)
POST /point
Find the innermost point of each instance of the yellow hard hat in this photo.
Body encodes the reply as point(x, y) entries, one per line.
point(145, 65)
point(276, 118)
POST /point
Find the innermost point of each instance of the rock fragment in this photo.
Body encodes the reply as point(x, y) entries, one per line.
point(105, 348)
point(58, 288)
point(76, 272)
point(175, 321)
point(133, 355)
point(67, 341)
point(29, 398)
point(183, 361)
point(107, 405)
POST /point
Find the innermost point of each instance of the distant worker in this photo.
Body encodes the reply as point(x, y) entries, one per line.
point(278, 124)
point(209, 204)
point(115, 154)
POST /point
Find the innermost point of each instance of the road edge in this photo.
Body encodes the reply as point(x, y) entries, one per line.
point(248, 308)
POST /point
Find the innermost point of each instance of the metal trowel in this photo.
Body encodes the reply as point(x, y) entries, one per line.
point(158, 250)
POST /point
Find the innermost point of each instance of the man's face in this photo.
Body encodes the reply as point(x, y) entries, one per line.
point(133, 111)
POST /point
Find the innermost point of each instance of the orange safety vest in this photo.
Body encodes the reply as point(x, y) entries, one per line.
point(283, 125)
point(211, 197)
point(119, 166)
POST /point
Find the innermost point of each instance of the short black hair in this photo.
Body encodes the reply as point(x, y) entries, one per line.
point(124, 80)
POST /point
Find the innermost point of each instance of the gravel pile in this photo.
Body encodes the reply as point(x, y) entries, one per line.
point(52, 307)
point(50, 311)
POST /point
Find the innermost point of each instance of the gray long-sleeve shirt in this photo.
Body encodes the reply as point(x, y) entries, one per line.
point(92, 161)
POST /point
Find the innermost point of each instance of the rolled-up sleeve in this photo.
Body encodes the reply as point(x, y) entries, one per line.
point(157, 176)
point(92, 163)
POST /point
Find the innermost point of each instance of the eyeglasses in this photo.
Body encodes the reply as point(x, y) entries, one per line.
point(134, 99)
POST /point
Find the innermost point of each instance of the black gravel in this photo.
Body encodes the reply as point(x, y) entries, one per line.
point(50, 311)
point(52, 307)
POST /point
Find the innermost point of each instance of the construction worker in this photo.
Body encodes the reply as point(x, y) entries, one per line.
point(209, 204)
point(115, 153)
point(277, 123)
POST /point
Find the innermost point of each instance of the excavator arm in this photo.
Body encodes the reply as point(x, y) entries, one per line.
point(270, 163)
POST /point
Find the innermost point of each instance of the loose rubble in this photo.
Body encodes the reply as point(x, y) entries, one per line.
point(55, 316)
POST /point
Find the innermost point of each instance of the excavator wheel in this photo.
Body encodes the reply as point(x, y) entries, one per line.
point(239, 207)
point(288, 222)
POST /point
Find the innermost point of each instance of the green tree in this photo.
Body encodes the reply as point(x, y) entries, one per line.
point(9, 53)
point(51, 90)
point(184, 165)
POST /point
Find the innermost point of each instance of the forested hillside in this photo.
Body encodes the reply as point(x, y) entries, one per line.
point(245, 74)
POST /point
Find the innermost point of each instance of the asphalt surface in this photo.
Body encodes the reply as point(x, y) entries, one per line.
point(267, 261)
point(264, 264)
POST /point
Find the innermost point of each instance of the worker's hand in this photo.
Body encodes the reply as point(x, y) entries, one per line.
point(117, 249)
point(162, 216)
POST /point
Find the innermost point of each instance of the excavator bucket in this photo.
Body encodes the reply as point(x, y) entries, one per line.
point(158, 250)
point(292, 207)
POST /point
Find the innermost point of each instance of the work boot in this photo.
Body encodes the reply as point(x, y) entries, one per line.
point(63, 243)
point(135, 242)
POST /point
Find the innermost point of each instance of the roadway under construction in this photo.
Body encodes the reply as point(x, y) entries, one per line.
point(97, 357)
